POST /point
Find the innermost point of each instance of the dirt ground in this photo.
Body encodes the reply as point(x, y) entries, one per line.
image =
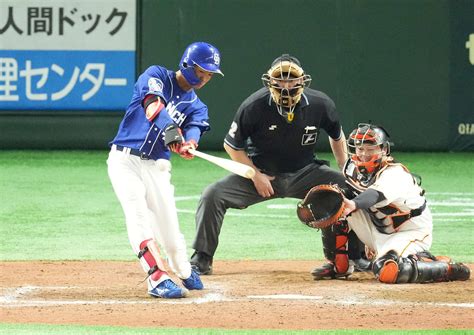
point(239, 295)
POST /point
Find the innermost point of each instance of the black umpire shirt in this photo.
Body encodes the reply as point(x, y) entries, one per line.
point(273, 144)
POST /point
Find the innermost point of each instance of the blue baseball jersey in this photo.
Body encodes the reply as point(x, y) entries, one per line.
point(182, 107)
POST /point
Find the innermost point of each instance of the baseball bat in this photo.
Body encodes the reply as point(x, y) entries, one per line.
point(227, 164)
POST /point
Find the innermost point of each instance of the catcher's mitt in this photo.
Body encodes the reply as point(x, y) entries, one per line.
point(322, 206)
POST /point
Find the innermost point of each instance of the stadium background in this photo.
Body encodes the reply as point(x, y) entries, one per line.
point(405, 64)
point(67, 266)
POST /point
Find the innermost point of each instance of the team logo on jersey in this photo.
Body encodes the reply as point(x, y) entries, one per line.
point(310, 135)
point(308, 139)
point(155, 85)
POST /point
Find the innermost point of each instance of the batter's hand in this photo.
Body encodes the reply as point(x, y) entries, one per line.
point(184, 147)
point(263, 184)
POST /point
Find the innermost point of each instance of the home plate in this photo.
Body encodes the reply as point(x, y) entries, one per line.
point(286, 297)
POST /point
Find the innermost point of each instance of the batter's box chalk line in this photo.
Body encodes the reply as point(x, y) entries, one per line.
point(19, 297)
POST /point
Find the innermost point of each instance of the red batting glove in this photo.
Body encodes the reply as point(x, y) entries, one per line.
point(175, 147)
point(184, 147)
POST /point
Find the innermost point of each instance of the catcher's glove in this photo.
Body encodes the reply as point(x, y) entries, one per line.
point(322, 206)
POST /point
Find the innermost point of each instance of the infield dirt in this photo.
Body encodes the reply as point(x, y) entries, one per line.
point(239, 295)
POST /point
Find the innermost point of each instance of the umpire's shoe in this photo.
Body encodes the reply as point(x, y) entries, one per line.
point(201, 263)
point(193, 282)
point(169, 290)
point(458, 271)
point(327, 271)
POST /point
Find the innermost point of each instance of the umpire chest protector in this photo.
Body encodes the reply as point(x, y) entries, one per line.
point(276, 145)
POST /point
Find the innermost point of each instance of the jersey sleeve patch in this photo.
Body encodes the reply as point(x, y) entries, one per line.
point(155, 86)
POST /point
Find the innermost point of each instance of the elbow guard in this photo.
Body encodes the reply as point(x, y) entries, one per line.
point(153, 106)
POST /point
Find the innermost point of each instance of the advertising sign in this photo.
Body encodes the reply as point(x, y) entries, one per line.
point(67, 55)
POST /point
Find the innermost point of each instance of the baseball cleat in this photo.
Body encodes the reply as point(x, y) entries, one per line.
point(362, 265)
point(327, 271)
point(201, 263)
point(169, 290)
point(458, 271)
point(193, 282)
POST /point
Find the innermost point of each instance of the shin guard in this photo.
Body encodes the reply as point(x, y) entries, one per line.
point(334, 240)
point(392, 269)
point(433, 271)
point(151, 254)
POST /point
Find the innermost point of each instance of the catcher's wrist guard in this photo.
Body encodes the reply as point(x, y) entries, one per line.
point(322, 206)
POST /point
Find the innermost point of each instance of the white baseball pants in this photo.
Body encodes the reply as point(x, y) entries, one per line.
point(410, 240)
point(146, 194)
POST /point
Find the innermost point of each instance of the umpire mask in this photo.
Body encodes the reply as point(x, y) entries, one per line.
point(286, 81)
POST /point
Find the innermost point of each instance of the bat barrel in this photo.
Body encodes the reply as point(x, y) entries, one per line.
point(242, 170)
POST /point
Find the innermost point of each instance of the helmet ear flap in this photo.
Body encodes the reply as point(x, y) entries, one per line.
point(200, 54)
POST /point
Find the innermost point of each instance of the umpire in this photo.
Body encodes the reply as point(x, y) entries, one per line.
point(275, 131)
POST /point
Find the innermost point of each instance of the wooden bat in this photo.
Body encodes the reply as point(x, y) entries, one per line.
point(227, 164)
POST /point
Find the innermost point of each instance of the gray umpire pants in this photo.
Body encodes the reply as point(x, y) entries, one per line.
point(237, 192)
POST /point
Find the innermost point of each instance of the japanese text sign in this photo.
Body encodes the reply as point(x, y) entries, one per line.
point(67, 55)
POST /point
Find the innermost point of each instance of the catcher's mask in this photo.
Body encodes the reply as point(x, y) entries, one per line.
point(368, 145)
point(286, 81)
point(202, 55)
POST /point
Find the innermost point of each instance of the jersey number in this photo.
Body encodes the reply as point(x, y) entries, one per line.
point(233, 129)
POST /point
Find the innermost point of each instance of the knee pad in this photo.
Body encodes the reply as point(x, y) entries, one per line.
point(391, 269)
point(386, 268)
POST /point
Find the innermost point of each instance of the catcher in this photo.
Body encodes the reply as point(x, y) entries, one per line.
point(389, 213)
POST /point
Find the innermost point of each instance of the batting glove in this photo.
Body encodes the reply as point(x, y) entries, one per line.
point(184, 147)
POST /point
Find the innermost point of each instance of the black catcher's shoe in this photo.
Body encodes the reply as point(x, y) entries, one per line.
point(362, 265)
point(201, 263)
point(458, 271)
point(327, 271)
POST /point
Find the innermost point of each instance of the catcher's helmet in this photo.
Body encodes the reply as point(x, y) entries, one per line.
point(202, 55)
point(286, 81)
point(367, 145)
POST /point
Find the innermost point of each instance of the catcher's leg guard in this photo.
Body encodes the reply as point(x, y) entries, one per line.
point(458, 271)
point(431, 271)
point(151, 254)
point(386, 268)
point(341, 260)
point(392, 269)
point(427, 256)
point(328, 237)
point(334, 240)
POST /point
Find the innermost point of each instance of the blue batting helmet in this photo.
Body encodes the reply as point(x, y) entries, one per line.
point(200, 54)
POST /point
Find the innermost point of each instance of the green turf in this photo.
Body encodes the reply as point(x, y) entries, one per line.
point(60, 205)
point(40, 329)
